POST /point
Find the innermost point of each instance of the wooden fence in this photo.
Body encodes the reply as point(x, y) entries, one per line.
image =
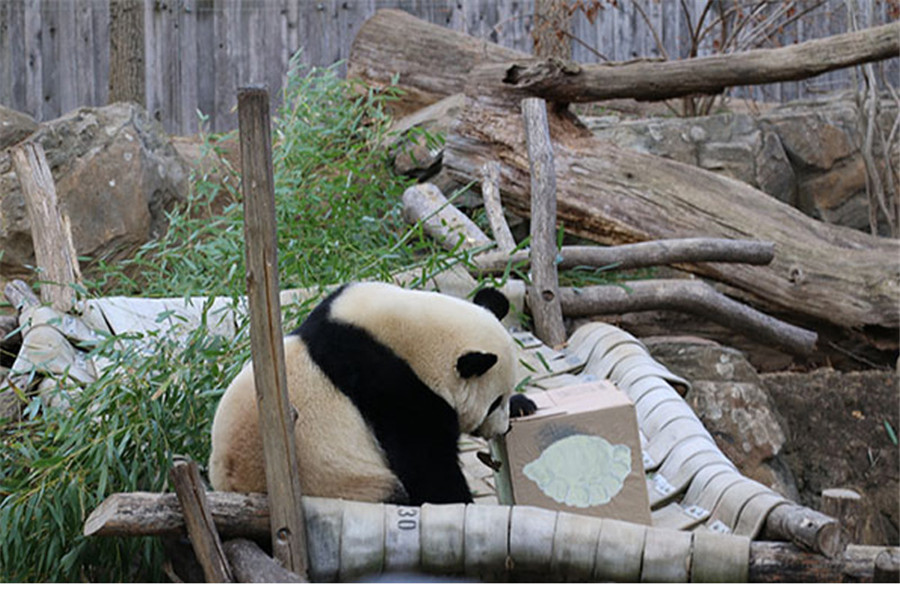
point(54, 54)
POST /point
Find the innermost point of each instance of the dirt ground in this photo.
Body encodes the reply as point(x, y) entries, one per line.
point(837, 437)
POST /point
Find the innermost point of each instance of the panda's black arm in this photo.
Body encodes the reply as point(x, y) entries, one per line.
point(431, 481)
point(424, 456)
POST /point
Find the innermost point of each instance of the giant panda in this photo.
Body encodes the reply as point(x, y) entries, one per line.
point(384, 380)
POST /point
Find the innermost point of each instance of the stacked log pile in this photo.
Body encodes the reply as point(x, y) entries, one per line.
point(821, 276)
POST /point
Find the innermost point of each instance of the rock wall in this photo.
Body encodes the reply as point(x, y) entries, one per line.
point(805, 154)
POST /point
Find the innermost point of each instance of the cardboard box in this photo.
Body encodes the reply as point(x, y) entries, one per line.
point(580, 452)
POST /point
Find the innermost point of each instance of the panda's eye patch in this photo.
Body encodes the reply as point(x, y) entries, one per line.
point(495, 404)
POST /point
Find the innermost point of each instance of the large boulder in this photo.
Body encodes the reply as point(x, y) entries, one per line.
point(734, 406)
point(116, 174)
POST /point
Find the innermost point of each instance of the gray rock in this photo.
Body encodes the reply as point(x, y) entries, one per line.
point(734, 406)
point(116, 174)
point(14, 127)
point(804, 154)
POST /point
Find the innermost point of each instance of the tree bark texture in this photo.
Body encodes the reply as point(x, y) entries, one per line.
point(617, 196)
point(543, 293)
point(433, 61)
point(693, 296)
point(127, 79)
point(54, 250)
point(185, 477)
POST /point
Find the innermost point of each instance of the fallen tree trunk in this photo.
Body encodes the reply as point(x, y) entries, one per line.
point(615, 196)
point(434, 62)
point(560, 81)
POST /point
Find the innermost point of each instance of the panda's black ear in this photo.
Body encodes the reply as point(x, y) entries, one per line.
point(493, 300)
point(474, 363)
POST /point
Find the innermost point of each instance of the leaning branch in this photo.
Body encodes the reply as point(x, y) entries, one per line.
point(692, 296)
point(643, 255)
point(560, 81)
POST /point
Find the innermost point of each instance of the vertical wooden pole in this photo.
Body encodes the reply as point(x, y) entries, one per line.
point(54, 251)
point(543, 295)
point(276, 425)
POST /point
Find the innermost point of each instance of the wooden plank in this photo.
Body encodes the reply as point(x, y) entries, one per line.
point(188, 68)
point(172, 84)
point(226, 37)
point(50, 230)
point(16, 44)
point(6, 61)
point(100, 28)
point(67, 66)
point(85, 84)
point(282, 479)
point(206, 60)
point(50, 106)
point(153, 55)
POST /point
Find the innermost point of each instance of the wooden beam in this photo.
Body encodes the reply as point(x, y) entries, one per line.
point(661, 252)
point(270, 377)
point(691, 296)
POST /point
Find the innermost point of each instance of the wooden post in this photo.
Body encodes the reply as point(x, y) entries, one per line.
point(275, 423)
point(198, 519)
point(54, 251)
point(846, 506)
point(543, 295)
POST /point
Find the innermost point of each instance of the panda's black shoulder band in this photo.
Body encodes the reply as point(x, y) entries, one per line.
point(416, 429)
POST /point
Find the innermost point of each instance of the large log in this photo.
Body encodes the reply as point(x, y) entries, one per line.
point(615, 196)
point(434, 62)
point(560, 81)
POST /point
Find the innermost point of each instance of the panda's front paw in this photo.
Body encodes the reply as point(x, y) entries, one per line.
point(520, 406)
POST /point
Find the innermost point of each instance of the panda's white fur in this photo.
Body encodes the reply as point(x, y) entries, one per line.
point(383, 379)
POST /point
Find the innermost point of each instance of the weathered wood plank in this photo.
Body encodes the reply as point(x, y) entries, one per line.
point(270, 377)
point(188, 67)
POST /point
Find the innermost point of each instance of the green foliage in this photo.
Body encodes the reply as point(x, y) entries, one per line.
point(120, 434)
point(338, 219)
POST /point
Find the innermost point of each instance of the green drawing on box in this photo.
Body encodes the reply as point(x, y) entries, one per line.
point(580, 470)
